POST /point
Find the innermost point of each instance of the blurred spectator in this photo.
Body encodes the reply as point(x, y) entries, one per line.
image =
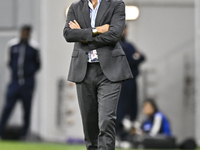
point(154, 133)
point(23, 62)
point(156, 122)
point(128, 104)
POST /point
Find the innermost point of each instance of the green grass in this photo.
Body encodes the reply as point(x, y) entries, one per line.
point(8, 145)
point(37, 146)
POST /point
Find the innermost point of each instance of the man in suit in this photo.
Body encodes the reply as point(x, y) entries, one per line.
point(23, 62)
point(98, 66)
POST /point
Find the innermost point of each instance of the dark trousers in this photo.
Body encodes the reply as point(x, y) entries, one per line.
point(14, 93)
point(98, 99)
point(128, 105)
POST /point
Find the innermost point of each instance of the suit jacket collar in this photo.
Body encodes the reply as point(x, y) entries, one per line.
point(101, 11)
point(86, 12)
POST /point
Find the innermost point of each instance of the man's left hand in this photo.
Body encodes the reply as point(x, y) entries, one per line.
point(74, 25)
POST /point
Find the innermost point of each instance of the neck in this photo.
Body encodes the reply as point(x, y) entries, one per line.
point(24, 41)
point(94, 3)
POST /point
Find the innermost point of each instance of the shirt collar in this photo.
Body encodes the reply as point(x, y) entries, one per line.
point(90, 3)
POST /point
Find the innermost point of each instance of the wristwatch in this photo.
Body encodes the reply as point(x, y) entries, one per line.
point(94, 31)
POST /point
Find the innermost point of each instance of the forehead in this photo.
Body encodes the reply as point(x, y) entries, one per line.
point(147, 104)
point(25, 30)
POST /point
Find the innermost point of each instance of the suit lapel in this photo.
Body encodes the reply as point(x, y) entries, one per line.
point(86, 13)
point(101, 11)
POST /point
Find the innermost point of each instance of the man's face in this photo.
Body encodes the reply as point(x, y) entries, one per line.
point(25, 34)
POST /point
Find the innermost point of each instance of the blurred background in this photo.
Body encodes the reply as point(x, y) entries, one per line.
point(166, 31)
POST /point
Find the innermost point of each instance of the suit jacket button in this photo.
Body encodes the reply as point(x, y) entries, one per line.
point(86, 53)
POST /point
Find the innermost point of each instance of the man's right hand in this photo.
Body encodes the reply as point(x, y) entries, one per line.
point(103, 29)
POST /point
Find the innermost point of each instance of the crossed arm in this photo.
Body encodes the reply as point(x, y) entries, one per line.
point(108, 33)
point(100, 29)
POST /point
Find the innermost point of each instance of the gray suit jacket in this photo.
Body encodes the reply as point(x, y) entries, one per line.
point(112, 58)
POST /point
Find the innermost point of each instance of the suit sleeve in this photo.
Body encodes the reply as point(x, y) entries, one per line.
point(7, 56)
point(130, 56)
point(37, 60)
point(76, 35)
point(115, 32)
point(156, 125)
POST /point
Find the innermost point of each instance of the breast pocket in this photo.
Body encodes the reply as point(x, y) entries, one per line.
point(75, 53)
point(117, 52)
